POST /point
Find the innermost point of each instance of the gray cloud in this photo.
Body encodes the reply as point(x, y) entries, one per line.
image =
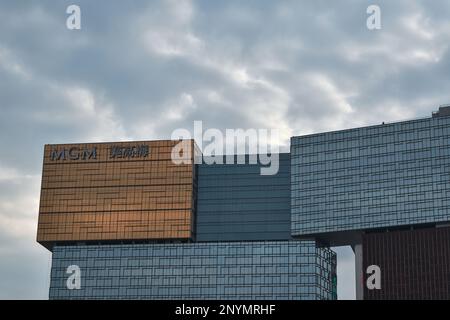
point(138, 71)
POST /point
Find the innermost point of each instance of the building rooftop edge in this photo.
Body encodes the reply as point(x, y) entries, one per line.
point(435, 114)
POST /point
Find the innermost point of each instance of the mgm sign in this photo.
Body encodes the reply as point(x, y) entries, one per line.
point(86, 153)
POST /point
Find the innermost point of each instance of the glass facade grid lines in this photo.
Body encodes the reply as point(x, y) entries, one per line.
point(236, 202)
point(371, 177)
point(105, 196)
point(414, 263)
point(214, 270)
point(142, 227)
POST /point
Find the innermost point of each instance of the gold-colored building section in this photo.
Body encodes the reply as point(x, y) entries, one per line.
point(116, 191)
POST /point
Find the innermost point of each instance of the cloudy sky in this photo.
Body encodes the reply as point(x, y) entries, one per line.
point(139, 70)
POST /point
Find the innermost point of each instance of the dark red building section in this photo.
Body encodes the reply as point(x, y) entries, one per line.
point(415, 264)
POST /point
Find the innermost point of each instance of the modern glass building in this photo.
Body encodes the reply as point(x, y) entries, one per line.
point(414, 263)
point(348, 186)
point(140, 226)
point(218, 270)
point(388, 175)
point(235, 202)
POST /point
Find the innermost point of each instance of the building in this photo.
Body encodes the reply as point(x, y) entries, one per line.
point(216, 270)
point(382, 176)
point(359, 187)
point(115, 192)
point(140, 226)
point(236, 203)
point(414, 263)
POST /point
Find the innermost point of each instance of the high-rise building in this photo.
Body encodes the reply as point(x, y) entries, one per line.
point(348, 184)
point(140, 225)
point(382, 176)
point(414, 263)
point(127, 191)
point(208, 270)
point(236, 203)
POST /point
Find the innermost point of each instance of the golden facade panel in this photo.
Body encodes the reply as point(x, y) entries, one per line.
point(116, 191)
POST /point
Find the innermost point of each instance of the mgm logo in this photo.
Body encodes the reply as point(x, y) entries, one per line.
point(74, 153)
point(86, 153)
